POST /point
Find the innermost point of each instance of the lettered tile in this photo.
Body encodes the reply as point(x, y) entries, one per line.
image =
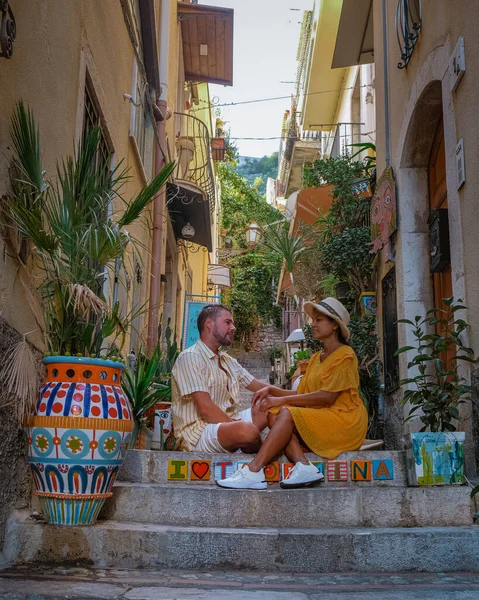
point(337, 470)
point(383, 469)
point(286, 470)
point(223, 469)
point(272, 471)
point(319, 465)
point(241, 463)
point(200, 470)
point(360, 470)
point(177, 470)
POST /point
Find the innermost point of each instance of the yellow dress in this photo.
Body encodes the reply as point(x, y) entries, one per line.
point(343, 425)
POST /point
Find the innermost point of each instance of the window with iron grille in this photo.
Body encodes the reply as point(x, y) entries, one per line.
point(91, 119)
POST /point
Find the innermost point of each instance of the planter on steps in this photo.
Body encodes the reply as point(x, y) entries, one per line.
point(78, 437)
point(435, 458)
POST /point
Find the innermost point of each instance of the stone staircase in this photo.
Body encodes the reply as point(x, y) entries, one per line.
point(379, 525)
point(258, 364)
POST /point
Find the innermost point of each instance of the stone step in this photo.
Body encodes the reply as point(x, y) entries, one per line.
point(136, 545)
point(318, 507)
point(145, 466)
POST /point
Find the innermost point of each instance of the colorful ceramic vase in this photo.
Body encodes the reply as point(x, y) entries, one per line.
point(78, 437)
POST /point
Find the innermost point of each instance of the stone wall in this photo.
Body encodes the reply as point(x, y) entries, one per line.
point(265, 337)
point(15, 479)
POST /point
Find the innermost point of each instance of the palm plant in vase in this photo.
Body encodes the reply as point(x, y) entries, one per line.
point(66, 235)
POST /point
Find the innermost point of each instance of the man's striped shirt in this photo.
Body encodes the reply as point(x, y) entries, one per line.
point(197, 369)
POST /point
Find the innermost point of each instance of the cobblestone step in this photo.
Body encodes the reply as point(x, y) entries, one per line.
point(135, 545)
point(318, 507)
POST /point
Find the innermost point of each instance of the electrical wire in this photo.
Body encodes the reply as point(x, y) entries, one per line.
point(273, 98)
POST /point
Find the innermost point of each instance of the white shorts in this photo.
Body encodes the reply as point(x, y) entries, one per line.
point(208, 441)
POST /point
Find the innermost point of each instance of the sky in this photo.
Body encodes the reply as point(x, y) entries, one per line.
point(266, 36)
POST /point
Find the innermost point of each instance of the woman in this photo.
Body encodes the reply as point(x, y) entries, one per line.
point(326, 413)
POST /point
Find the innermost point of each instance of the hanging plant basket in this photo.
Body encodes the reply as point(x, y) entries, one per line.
point(78, 437)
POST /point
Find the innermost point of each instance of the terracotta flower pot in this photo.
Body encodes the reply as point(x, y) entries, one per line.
point(78, 437)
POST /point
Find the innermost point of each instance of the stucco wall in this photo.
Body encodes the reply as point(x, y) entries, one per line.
point(412, 128)
point(48, 73)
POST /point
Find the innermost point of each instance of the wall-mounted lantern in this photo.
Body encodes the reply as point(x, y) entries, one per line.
point(252, 235)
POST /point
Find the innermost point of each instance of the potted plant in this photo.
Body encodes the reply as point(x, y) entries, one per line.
point(143, 390)
point(162, 420)
point(148, 388)
point(82, 425)
point(435, 455)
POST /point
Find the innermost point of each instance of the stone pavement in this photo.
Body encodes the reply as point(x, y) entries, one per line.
point(77, 583)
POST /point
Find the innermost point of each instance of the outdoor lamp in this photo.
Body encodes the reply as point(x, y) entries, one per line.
point(188, 231)
point(252, 234)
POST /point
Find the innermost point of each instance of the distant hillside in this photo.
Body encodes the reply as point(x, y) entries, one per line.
point(251, 168)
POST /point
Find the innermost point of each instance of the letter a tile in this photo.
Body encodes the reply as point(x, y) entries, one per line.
point(383, 469)
point(177, 470)
point(200, 470)
point(271, 471)
point(337, 470)
point(319, 465)
point(223, 469)
point(360, 470)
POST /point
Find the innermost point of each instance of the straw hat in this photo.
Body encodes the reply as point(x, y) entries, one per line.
point(331, 308)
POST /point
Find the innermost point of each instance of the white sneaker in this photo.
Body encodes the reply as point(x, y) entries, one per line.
point(244, 479)
point(301, 476)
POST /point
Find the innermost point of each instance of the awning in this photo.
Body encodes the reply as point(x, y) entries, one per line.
point(207, 33)
point(312, 203)
point(187, 203)
point(219, 275)
point(295, 336)
point(355, 39)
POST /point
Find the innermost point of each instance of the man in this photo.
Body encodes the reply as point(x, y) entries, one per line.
point(206, 385)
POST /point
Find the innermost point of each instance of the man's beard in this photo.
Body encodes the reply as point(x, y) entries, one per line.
point(222, 340)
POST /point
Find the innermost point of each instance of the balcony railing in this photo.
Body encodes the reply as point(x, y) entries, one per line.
point(336, 142)
point(193, 148)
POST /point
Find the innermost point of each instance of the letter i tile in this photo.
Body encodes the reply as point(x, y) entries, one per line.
point(223, 469)
point(337, 470)
point(177, 470)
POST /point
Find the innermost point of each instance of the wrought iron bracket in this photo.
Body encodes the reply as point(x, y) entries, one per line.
point(8, 30)
point(408, 28)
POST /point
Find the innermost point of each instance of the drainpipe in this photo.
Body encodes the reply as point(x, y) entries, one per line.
point(386, 85)
point(160, 200)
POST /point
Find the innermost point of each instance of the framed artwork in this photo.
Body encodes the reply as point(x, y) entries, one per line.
point(383, 213)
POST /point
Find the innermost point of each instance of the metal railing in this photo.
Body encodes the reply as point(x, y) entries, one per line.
point(193, 148)
point(337, 140)
point(408, 28)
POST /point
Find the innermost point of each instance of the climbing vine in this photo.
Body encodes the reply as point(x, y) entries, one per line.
point(343, 252)
point(252, 292)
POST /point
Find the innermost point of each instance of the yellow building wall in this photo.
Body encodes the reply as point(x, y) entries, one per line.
point(48, 72)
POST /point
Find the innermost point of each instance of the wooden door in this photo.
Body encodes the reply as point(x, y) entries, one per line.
point(442, 282)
